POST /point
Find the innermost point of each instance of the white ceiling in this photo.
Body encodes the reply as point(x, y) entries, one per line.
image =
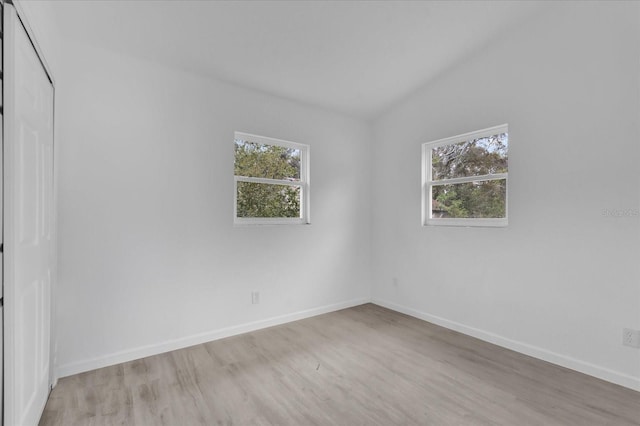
point(357, 58)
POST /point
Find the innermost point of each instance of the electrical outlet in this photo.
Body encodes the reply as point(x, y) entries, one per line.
point(255, 297)
point(631, 337)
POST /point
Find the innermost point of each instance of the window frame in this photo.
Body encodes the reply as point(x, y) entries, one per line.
point(303, 183)
point(428, 183)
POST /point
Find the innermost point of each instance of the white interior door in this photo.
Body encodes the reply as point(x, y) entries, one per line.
point(28, 220)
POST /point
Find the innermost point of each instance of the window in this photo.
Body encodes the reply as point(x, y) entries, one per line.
point(465, 179)
point(271, 181)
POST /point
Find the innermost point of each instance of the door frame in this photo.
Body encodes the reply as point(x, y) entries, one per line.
point(14, 7)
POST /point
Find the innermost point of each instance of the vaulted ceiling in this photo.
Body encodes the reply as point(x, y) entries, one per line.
point(357, 58)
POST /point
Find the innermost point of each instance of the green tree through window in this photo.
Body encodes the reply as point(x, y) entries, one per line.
point(465, 179)
point(269, 180)
point(481, 199)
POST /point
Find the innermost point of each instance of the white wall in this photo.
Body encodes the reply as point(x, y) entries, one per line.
point(562, 280)
point(149, 259)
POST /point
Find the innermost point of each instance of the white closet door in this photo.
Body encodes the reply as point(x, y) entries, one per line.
point(28, 214)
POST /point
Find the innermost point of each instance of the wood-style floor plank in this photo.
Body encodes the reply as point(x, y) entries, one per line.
point(360, 366)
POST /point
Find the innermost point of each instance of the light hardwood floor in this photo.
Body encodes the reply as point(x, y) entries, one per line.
point(360, 366)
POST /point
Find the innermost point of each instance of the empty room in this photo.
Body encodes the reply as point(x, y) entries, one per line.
point(320, 212)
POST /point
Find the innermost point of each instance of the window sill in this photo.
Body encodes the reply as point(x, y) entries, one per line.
point(274, 222)
point(467, 223)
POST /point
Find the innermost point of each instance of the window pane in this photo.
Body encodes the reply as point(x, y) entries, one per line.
point(475, 157)
point(484, 199)
point(266, 200)
point(266, 161)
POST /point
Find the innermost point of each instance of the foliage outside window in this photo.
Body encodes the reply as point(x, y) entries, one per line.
point(465, 179)
point(271, 181)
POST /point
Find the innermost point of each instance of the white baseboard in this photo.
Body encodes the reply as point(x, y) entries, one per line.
point(524, 348)
point(170, 345)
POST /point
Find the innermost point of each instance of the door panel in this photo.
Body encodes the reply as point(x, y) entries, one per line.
point(28, 207)
point(26, 330)
point(28, 197)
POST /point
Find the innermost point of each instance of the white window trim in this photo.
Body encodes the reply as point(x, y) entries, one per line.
point(428, 183)
point(303, 183)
